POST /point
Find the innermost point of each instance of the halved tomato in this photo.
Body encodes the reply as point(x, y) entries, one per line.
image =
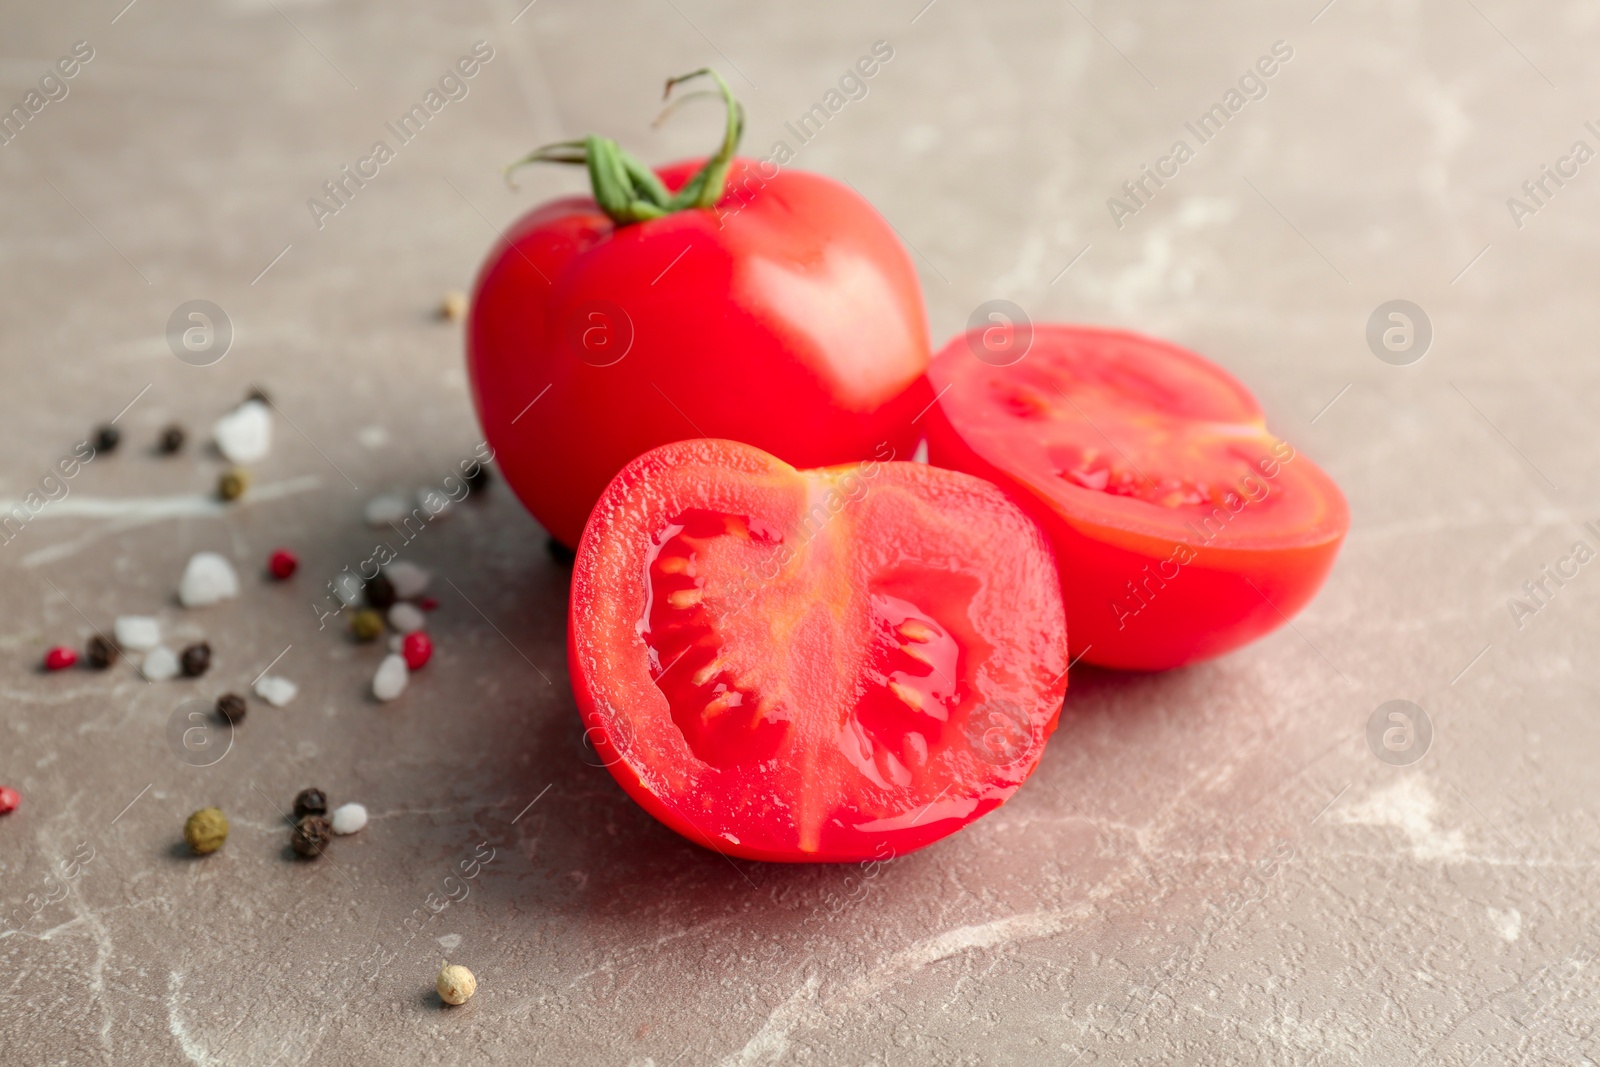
point(1182, 526)
point(837, 664)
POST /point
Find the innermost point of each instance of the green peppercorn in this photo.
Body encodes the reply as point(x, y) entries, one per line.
point(311, 835)
point(366, 625)
point(231, 706)
point(233, 483)
point(206, 830)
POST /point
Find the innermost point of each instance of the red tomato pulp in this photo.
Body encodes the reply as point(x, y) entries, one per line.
point(785, 313)
point(817, 665)
point(1182, 527)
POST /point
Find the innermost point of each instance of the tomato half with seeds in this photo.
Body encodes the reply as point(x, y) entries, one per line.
point(1182, 526)
point(837, 664)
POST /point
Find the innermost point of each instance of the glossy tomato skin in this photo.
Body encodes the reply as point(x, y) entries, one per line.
point(1147, 587)
point(808, 593)
point(790, 318)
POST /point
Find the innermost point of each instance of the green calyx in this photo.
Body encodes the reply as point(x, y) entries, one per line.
point(626, 189)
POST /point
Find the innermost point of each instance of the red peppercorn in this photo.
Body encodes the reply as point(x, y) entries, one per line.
point(417, 648)
point(8, 800)
point(282, 564)
point(428, 603)
point(59, 658)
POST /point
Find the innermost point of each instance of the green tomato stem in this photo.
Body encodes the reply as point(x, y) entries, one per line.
point(627, 190)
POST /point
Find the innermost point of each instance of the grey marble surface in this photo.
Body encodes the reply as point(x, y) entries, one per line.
point(1210, 866)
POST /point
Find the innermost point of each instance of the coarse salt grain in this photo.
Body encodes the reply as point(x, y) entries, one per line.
point(390, 681)
point(244, 434)
point(434, 502)
point(349, 588)
point(137, 633)
point(384, 509)
point(407, 618)
point(275, 691)
point(349, 818)
point(208, 579)
point(160, 663)
point(408, 579)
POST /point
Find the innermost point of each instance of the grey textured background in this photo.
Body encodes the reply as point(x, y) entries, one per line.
point(1209, 867)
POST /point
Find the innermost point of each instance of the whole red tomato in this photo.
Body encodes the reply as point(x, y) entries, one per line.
point(727, 299)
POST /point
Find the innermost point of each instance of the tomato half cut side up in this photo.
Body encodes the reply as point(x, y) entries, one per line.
point(1182, 526)
point(837, 664)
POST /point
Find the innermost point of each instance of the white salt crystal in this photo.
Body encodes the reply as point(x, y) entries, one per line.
point(207, 579)
point(408, 579)
point(160, 663)
point(382, 510)
point(135, 633)
point(348, 818)
point(407, 618)
point(244, 434)
point(276, 691)
point(434, 502)
point(390, 681)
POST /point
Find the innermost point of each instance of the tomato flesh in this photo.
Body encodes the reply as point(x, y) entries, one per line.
point(1182, 526)
point(822, 665)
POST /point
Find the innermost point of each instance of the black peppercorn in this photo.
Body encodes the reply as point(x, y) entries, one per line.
point(196, 660)
point(478, 478)
point(311, 835)
point(311, 801)
point(100, 653)
point(171, 440)
point(231, 706)
point(258, 393)
point(380, 592)
point(560, 552)
point(107, 438)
